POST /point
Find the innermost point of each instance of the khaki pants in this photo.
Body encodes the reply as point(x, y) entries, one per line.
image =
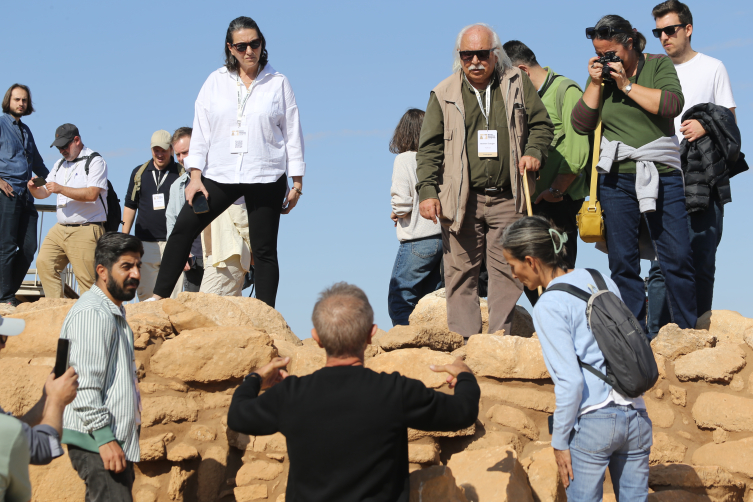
point(486, 218)
point(225, 281)
point(150, 264)
point(63, 245)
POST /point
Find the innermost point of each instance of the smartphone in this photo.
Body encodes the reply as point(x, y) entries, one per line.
point(200, 203)
point(39, 181)
point(62, 359)
point(550, 423)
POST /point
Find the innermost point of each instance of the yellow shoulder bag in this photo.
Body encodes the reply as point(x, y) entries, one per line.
point(590, 217)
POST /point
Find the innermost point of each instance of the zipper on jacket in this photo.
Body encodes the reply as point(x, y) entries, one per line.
point(462, 167)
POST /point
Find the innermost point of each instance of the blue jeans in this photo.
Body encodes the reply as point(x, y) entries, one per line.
point(705, 236)
point(668, 230)
point(18, 242)
point(416, 274)
point(618, 437)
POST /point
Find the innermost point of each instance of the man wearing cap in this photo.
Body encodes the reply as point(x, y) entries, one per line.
point(149, 193)
point(80, 212)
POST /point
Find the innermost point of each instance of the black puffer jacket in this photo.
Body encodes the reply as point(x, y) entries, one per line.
point(711, 161)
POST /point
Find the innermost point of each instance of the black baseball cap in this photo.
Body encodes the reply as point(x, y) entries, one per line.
point(64, 135)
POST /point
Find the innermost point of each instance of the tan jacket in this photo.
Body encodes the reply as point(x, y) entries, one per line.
point(454, 185)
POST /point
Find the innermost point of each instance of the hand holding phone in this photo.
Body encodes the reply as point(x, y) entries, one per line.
point(200, 203)
point(39, 182)
point(62, 357)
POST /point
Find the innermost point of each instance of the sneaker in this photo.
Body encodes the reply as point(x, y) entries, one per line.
point(152, 299)
point(13, 302)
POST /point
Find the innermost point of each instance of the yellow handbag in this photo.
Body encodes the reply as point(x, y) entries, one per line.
point(590, 217)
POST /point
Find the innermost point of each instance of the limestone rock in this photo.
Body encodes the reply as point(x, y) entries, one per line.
point(152, 448)
point(519, 396)
point(304, 359)
point(240, 441)
point(6, 309)
point(716, 364)
point(544, 478)
point(178, 481)
point(737, 384)
point(402, 337)
point(257, 470)
point(491, 474)
point(660, 413)
point(673, 342)
point(674, 496)
point(497, 438)
point(44, 304)
point(167, 409)
point(56, 481)
point(184, 318)
point(679, 395)
point(666, 450)
point(275, 443)
point(435, 483)
point(40, 336)
point(506, 357)
point(214, 401)
point(413, 363)
point(146, 326)
point(508, 416)
point(734, 456)
point(202, 433)
point(424, 453)
point(661, 364)
point(211, 473)
point(145, 495)
point(250, 493)
point(181, 452)
point(414, 435)
point(213, 354)
point(720, 436)
point(731, 413)
point(726, 325)
point(22, 383)
point(712, 481)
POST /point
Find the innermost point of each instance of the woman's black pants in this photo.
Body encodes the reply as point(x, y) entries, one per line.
point(263, 202)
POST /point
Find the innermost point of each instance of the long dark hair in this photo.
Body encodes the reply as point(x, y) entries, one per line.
point(407, 132)
point(531, 236)
point(6, 99)
point(620, 23)
point(240, 23)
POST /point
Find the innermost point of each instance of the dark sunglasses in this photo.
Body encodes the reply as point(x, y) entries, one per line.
point(668, 30)
point(61, 148)
point(605, 32)
point(241, 47)
point(482, 55)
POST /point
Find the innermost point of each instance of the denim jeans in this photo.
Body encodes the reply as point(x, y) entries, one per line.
point(416, 273)
point(18, 242)
point(101, 485)
point(668, 230)
point(705, 236)
point(618, 437)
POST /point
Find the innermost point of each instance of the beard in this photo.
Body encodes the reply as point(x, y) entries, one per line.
point(118, 291)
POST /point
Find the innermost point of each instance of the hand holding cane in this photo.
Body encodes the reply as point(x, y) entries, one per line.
point(529, 209)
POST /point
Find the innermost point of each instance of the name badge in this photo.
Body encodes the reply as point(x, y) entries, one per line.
point(487, 143)
point(239, 139)
point(158, 201)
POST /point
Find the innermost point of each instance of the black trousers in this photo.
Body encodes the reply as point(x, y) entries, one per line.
point(101, 485)
point(562, 214)
point(264, 204)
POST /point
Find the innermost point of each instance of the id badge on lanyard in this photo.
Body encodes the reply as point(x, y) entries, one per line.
point(487, 138)
point(239, 133)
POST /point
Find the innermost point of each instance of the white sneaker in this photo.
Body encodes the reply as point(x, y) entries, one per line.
point(152, 299)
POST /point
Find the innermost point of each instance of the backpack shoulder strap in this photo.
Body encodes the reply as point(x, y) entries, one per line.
point(569, 288)
point(57, 166)
point(598, 279)
point(89, 161)
point(595, 372)
point(137, 180)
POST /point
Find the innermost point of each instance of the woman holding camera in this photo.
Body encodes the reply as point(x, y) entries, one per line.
point(246, 141)
point(639, 165)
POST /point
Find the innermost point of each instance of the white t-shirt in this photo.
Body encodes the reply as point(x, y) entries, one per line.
point(73, 175)
point(704, 80)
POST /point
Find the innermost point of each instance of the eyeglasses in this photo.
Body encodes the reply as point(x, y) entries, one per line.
point(482, 55)
point(241, 47)
point(668, 30)
point(65, 147)
point(605, 32)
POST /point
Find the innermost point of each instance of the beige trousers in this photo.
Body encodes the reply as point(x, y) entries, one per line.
point(150, 264)
point(225, 281)
point(486, 218)
point(63, 245)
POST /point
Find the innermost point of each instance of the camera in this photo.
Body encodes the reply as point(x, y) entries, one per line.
point(606, 71)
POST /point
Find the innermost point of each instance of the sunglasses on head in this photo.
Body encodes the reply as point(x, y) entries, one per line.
point(241, 47)
point(605, 32)
point(482, 55)
point(668, 30)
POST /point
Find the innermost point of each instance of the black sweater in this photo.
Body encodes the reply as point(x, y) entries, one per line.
point(346, 428)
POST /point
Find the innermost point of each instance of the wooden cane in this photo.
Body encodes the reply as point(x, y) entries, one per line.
point(529, 209)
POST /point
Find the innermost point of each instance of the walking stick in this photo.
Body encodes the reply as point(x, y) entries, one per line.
point(529, 209)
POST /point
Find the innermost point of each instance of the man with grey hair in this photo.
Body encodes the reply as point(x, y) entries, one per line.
point(485, 128)
point(346, 425)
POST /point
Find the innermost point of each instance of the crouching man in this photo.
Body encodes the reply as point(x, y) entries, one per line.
point(347, 426)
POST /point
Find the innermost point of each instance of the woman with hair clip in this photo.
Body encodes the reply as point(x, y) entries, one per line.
point(639, 166)
point(246, 141)
point(594, 426)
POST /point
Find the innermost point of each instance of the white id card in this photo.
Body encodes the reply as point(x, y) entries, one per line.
point(487, 143)
point(239, 139)
point(158, 201)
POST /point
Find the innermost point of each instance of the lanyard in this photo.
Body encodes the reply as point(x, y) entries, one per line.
point(242, 105)
point(162, 179)
point(486, 112)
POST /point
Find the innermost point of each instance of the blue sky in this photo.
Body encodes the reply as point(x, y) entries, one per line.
point(120, 71)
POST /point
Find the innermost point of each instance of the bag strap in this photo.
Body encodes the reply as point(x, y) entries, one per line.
point(569, 288)
point(595, 372)
point(137, 180)
point(595, 160)
point(598, 279)
point(89, 159)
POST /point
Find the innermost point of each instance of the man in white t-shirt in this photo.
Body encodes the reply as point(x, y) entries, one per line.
point(81, 197)
point(704, 80)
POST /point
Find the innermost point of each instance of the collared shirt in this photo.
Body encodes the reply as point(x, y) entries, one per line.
point(175, 204)
point(73, 175)
point(106, 407)
point(19, 156)
point(15, 485)
point(43, 441)
point(151, 223)
point(275, 138)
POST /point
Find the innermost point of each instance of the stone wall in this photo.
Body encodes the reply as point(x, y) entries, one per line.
point(192, 353)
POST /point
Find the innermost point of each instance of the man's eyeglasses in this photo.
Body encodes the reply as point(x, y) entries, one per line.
point(668, 30)
point(605, 32)
point(65, 147)
point(241, 47)
point(482, 55)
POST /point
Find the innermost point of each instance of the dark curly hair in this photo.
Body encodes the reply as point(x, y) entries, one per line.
point(240, 23)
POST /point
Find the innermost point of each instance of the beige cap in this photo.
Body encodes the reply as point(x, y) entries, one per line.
point(162, 139)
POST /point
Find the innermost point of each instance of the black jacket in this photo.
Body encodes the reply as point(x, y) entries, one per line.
point(711, 161)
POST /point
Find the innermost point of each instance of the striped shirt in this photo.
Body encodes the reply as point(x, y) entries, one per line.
point(107, 405)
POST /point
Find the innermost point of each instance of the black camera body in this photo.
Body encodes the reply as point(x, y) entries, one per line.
point(606, 71)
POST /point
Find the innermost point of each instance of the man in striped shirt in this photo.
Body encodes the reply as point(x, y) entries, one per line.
point(101, 426)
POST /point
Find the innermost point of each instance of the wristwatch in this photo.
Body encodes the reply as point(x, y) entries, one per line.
point(628, 88)
point(556, 192)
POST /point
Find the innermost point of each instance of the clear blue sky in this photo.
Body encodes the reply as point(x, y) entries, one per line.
point(120, 71)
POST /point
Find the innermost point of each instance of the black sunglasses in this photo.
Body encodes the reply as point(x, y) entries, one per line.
point(605, 32)
point(241, 47)
point(482, 55)
point(668, 30)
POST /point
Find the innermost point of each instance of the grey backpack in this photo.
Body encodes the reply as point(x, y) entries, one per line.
point(631, 367)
